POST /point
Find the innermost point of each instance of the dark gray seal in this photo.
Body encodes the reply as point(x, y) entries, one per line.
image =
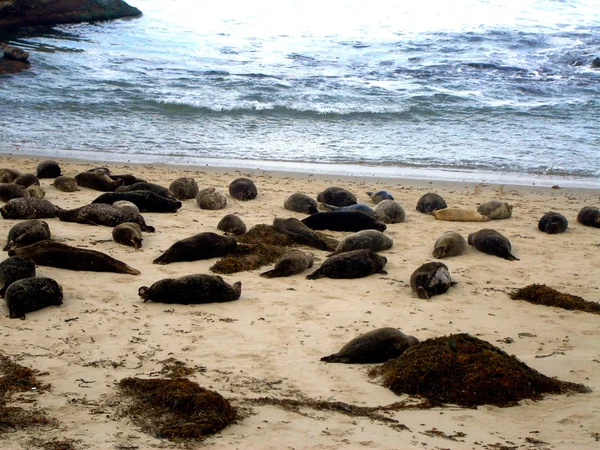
point(54, 254)
point(126, 178)
point(431, 202)
point(184, 188)
point(27, 179)
point(103, 170)
point(356, 207)
point(28, 208)
point(8, 191)
point(336, 196)
point(589, 216)
point(97, 180)
point(200, 246)
point(124, 204)
point(343, 221)
point(102, 214)
point(553, 223)
point(48, 169)
point(191, 289)
point(354, 264)
point(495, 210)
point(366, 239)
point(32, 294)
point(302, 203)
point(300, 233)
point(146, 186)
point(129, 234)
point(390, 211)
point(13, 269)
point(232, 224)
point(36, 191)
point(379, 196)
point(375, 346)
point(290, 263)
point(26, 233)
point(65, 184)
point(243, 189)
point(8, 175)
point(448, 244)
point(493, 243)
point(211, 198)
point(430, 279)
point(146, 201)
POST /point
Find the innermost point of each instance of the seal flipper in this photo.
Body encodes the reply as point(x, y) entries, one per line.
point(510, 257)
point(422, 293)
point(271, 273)
point(336, 358)
point(316, 274)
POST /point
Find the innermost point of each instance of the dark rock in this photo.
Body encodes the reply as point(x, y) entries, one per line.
point(8, 66)
point(596, 63)
point(14, 53)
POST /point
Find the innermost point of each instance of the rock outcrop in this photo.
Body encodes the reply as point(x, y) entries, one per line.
point(26, 13)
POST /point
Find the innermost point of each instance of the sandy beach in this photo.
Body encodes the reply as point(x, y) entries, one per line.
point(269, 342)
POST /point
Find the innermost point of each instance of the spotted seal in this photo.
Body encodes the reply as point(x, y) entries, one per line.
point(390, 211)
point(54, 254)
point(26, 233)
point(211, 198)
point(302, 203)
point(430, 279)
point(8, 191)
point(495, 210)
point(184, 188)
point(459, 215)
point(431, 202)
point(97, 180)
point(375, 346)
point(65, 184)
point(366, 239)
point(28, 208)
point(243, 189)
point(379, 196)
point(343, 221)
point(493, 243)
point(200, 246)
point(232, 224)
point(146, 201)
point(336, 196)
point(553, 223)
point(32, 294)
point(102, 214)
point(448, 244)
point(353, 264)
point(13, 269)
point(191, 289)
point(589, 216)
point(48, 169)
point(290, 263)
point(129, 234)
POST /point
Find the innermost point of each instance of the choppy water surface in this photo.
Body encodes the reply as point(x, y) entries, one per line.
point(502, 87)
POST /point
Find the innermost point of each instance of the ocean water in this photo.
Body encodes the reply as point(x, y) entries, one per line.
point(481, 89)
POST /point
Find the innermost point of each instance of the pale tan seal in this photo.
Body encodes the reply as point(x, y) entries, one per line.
point(459, 215)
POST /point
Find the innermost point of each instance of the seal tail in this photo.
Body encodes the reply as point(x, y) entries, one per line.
point(312, 210)
point(335, 358)
point(511, 257)
point(313, 276)
point(124, 268)
point(326, 207)
point(162, 259)
point(271, 274)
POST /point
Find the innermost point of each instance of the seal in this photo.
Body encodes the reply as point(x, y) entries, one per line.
point(184, 188)
point(128, 233)
point(300, 233)
point(27, 179)
point(8, 175)
point(127, 206)
point(459, 215)
point(54, 254)
point(431, 202)
point(366, 239)
point(299, 202)
point(432, 278)
point(32, 294)
point(146, 201)
point(232, 224)
point(553, 223)
point(243, 189)
point(356, 207)
point(354, 264)
point(145, 186)
point(126, 178)
point(28, 208)
point(8, 191)
point(211, 198)
point(343, 221)
point(390, 211)
point(48, 169)
point(102, 214)
point(13, 269)
point(375, 346)
point(97, 180)
point(65, 184)
point(191, 289)
point(290, 263)
point(379, 196)
point(493, 243)
point(336, 196)
point(26, 233)
point(448, 244)
point(200, 246)
point(36, 191)
point(103, 170)
point(589, 216)
point(495, 210)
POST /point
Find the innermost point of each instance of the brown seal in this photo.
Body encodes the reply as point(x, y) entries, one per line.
point(300, 233)
point(200, 246)
point(27, 179)
point(366, 239)
point(290, 263)
point(450, 243)
point(8, 175)
point(129, 234)
point(431, 279)
point(103, 214)
point(65, 184)
point(302, 203)
point(232, 224)
point(32, 294)
point(26, 233)
point(97, 180)
point(431, 202)
point(191, 289)
point(211, 198)
point(8, 191)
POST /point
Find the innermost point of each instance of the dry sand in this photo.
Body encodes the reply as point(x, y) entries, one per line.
point(268, 344)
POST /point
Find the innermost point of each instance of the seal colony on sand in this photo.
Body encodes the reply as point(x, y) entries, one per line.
point(97, 180)
point(493, 243)
point(8, 191)
point(192, 289)
point(65, 184)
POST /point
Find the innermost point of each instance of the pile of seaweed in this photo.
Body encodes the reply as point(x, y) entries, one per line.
point(540, 294)
point(467, 371)
point(16, 378)
point(175, 408)
point(248, 257)
point(268, 235)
